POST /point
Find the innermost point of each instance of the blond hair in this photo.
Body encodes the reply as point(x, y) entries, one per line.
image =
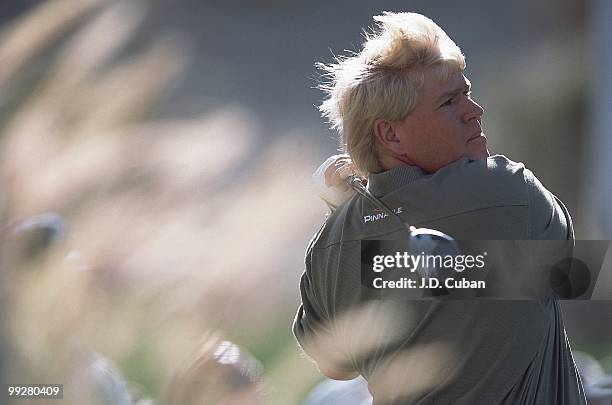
point(384, 80)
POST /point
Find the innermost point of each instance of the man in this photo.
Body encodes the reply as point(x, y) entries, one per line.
point(411, 128)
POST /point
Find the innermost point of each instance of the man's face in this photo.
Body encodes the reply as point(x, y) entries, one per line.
point(444, 127)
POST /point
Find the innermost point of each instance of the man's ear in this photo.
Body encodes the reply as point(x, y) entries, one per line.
point(384, 130)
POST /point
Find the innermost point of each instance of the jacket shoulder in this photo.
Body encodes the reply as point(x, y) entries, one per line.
point(495, 181)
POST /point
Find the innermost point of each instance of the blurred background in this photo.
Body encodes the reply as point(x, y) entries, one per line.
point(156, 159)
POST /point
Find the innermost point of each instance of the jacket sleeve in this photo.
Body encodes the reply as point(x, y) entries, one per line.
point(312, 327)
point(549, 219)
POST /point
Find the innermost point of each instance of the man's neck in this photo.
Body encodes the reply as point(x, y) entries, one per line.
point(388, 162)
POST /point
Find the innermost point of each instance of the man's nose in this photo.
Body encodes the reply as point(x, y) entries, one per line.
point(474, 111)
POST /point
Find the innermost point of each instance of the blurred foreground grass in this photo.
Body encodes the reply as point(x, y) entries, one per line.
point(172, 228)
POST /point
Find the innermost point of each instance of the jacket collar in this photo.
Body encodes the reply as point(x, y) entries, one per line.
point(382, 183)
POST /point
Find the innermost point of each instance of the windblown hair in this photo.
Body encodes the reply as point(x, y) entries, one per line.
point(384, 81)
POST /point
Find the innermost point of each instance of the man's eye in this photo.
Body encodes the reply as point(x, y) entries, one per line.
point(467, 93)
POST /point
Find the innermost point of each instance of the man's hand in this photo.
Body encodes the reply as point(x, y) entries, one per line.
point(330, 180)
point(337, 172)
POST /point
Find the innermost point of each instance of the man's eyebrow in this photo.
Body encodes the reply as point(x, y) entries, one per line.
point(464, 87)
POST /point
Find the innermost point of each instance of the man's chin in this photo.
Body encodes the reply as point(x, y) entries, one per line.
point(477, 149)
point(477, 154)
